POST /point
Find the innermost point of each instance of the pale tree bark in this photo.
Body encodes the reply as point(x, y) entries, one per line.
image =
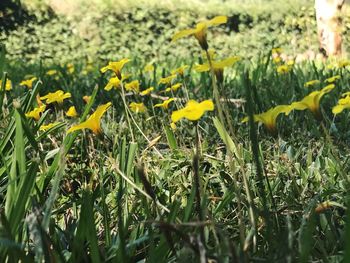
point(329, 26)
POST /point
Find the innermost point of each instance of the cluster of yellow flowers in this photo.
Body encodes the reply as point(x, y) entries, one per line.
point(53, 97)
point(283, 66)
point(193, 110)
point(310, 102)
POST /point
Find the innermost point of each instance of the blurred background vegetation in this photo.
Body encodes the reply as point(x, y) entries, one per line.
point(65, 31)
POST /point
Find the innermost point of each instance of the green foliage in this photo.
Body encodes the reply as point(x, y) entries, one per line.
point(145, 33)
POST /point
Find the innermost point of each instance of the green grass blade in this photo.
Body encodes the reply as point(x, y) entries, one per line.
point(170, 137)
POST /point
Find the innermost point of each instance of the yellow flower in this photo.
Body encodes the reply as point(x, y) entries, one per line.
point(36, 112)
point(88, 68)
point(70, 68)
point(344, 98)
point(133, 86)
point(8, 85)
point(283, 69)
point(49, 126)
point(146, 91)
point(149, 68)
point(277, 60)
point(193, 110)
point(345, 94)
point(276, 50)
point(165, 103)
point(57, 96)
point(343, 103)
point(173, 126)
point(269, 118)
point(180, 70)
point(312, 101)
point(72, 112)
point(167, 80)
point(86, 99)
point(200, 31)
point(116, 67)
point(51, 72)
point(137, 107)
point(218, 66)
point(343, 63)
point(93, 122)
point(174, 87)
point(38, 100)
point(332, 79)
point(28, 83)
point(311, 83)
point(113, 83)
point(290, 63)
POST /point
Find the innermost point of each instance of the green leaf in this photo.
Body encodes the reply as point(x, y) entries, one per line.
point(225, 136)
point(170, 137)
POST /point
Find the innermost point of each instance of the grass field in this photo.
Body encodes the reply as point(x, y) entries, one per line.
point(211, 158)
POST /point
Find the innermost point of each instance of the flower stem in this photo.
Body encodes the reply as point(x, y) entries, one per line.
point(126, 111)
point(216, 94)
point(197, 182)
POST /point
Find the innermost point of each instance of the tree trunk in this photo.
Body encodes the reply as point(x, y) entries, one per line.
point(329, 26)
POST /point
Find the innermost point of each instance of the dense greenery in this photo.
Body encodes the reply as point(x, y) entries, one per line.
point(143, 191)
point(145, 32)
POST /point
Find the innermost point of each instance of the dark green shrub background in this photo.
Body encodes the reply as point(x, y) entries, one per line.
point(145, 33)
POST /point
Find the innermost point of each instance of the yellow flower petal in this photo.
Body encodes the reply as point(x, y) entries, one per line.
point(165, 103)
point(174, 87)
point(193, 110)
point(146, 91)
point(276, 50)
point(179, 70)
point(113, 83)
point(8, 85)
point(116, 67)
point(72, 112)
point(51, 72)
point(36, 112)
point(183, 33)
point(312, 101)
point(218, 20)
point(269, 118)
point(217, 65)
point(283, 69)
point(332, 79)
point(167, 80)
point(148, 68)
point(59, 96)
point(339, 108)
point(86, 99)
point(173, 126)
point(343, 103)
point(200, 30)
point(311, 83)
point(202, 67)
point(93, 122)
point(28, 83)
point(133, 86)
point(137, 107)
point(48, 126)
